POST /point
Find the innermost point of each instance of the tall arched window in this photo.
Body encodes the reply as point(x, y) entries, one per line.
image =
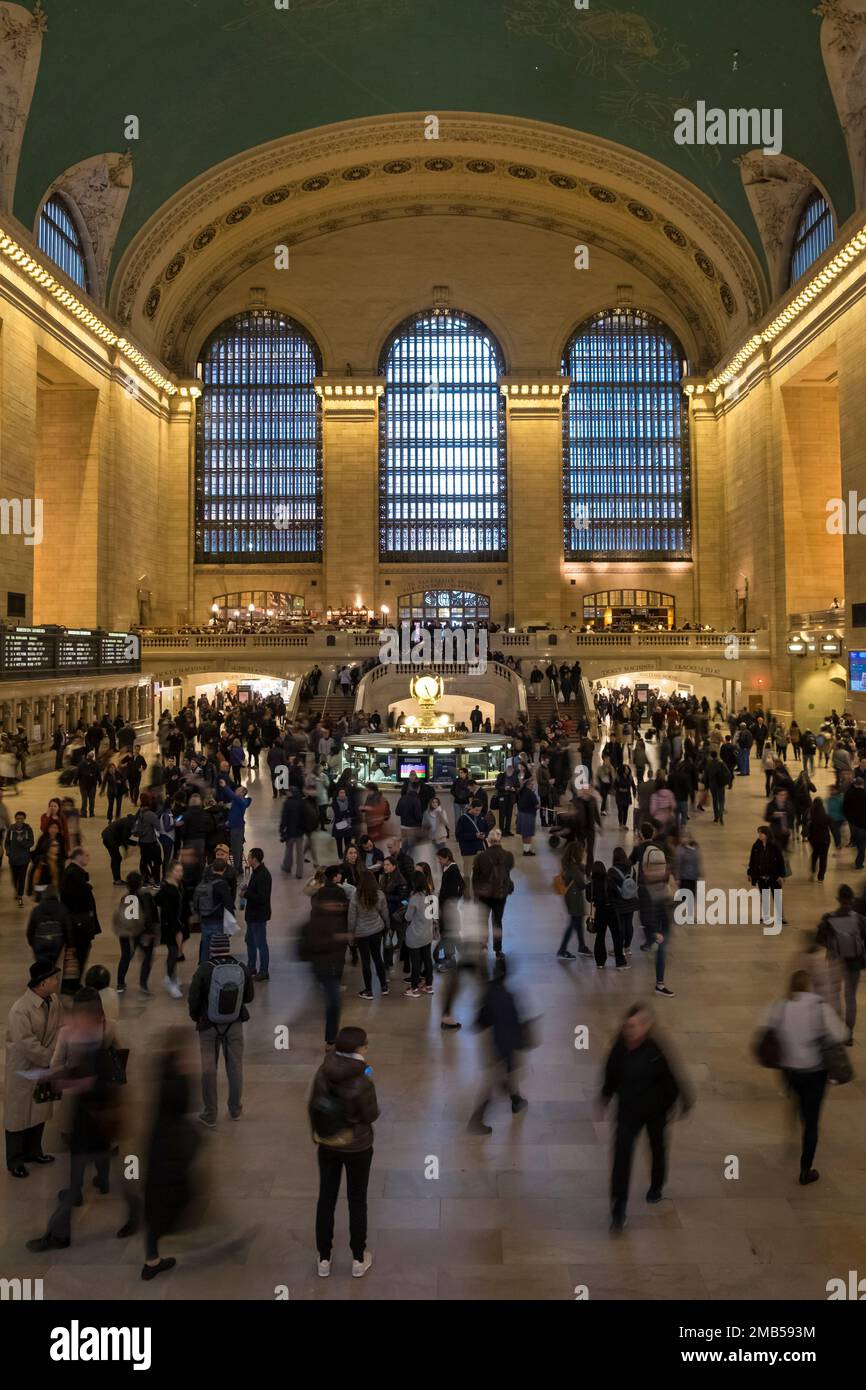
point(625, 441)
point(442, 470)
point(259, 443)
point(58, 236)
point(816, 232)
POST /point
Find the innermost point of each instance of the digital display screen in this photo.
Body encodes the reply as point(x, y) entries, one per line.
point(44, 652)
point(857, 663)
point(407, 768)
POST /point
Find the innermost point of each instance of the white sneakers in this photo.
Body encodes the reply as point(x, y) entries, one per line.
point(324, 1268)
point(360, 1267)
point(171, 988)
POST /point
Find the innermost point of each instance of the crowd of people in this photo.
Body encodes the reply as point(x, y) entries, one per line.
point(420, 889)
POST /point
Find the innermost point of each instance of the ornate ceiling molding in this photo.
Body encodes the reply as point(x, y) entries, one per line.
point(20, 52)
point(480, 165)
point(777, 187)
point(843, 48)
point(98, 188)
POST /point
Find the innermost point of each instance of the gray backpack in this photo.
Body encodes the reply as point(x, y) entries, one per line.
point(226, 994)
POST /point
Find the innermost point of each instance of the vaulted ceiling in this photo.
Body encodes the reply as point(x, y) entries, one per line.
point(209, 79)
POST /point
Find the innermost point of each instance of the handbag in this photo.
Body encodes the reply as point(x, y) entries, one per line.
point(560, 886)
point(116, 1060)
point(44, 1093)
point(834, 1058)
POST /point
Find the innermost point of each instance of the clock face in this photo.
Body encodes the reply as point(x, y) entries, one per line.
point(426, 688)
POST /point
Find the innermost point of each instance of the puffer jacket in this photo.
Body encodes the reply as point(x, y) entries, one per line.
point(345, 1077)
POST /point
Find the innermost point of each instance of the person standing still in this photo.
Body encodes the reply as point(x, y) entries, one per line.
point(256, 902)
point(343, 1108)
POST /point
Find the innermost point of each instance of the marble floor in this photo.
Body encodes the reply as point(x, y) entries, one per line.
point(522, 1214)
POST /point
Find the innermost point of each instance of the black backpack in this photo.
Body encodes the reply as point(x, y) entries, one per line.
point(48, 939)
point(309, 816)
point(328, 1115)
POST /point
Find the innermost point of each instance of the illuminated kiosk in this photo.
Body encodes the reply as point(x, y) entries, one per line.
point(426, 744)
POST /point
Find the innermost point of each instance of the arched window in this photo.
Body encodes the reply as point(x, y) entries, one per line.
point(625, 442)
point(456, 607)
point(259, 443)
point(442, 471)
point(816, 232)
point(60, 239)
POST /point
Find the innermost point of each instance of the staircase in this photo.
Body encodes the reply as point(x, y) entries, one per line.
point(333, 703)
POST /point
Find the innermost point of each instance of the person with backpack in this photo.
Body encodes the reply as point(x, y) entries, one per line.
point(647, 1086)
point(622, 895)
point(219, 993)
point(136, 924)
point(342, 1108)
point(843, 933)
point(49, 928)
point(604, 919)
point(256, 902)
point(799, 1030)
point(211, 900)
point(167, 836)
point(146, 831)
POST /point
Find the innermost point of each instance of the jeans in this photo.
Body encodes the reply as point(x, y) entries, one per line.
point(850, 981)
point(115, 803)
point(819, 861)
point(151, 861)
point(208, 930)
point(19, 878)
point(628, 1128)
point(808, 1087)
point(331, 1165)
point(858, 840)
point(128, 948)
point(257, 947)
point(116, 865)
point(371, 947)
point(342, 839)
point(330, 987)
point(231, 1043)
point(496, 908)
point(88, 799)
point(661, 960)
point(575, 925)
point(683, 811)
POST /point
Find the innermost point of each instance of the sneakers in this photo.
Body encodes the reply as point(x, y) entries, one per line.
point(171, 988)
point(584, 951)
point(654, 1195)
point(360, 1267)
point(623, 967)
point(411, 993)
point(385, 990)
point(811, 1176)
point(149, 1272)
point(565, 955)
point(450, 1023)
point(663, 989)
point(365, 994)
point(427, 989)
point(617, 1222)
point(518, 1103)
point(207, 1121)
point(323, 1268)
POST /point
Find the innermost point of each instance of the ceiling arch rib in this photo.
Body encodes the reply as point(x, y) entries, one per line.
point(481, 166)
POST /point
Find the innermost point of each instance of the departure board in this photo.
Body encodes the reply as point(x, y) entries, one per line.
point(28, 651)
point(43, 652)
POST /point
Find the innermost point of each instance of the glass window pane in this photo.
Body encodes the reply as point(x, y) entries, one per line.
point(625, 442)
point(816, 232)
point(60, 239)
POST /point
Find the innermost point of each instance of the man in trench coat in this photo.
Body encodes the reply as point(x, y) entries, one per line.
point(31, 1032)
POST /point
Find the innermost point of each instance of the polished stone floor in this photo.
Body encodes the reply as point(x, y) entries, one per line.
point(521, 1214)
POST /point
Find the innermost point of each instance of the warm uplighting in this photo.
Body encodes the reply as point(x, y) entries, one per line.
point(43, 277)
point(799, 301)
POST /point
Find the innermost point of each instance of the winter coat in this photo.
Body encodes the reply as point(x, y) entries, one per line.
point(31, 1033)
point(345, 1077)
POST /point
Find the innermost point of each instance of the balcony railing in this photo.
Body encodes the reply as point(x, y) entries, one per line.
point(339, 646)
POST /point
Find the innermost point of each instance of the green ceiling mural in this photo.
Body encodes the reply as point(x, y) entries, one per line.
point(211, 78)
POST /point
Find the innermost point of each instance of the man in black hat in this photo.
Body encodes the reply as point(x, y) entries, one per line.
point(31, 1032)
